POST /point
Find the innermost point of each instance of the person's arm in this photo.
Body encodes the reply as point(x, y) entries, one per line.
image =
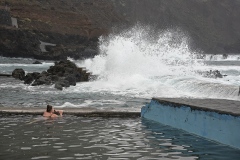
point(53, 115)
point(58, 112)
point(61, 112)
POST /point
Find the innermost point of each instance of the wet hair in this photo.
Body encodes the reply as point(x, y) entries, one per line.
point(49, 108)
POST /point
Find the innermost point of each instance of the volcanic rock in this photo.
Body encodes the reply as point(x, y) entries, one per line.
point(75, 26)
point(37, 62)
point(214, 74)
point(30, 77)
point(61, 83)
point(62, 74)
point(18, 73)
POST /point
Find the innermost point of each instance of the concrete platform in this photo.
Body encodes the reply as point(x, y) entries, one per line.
point(89, 112)
point(214, 119)
point(221, 106)
point(5, 75)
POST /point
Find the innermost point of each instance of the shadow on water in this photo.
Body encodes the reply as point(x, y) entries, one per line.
point(184, 144)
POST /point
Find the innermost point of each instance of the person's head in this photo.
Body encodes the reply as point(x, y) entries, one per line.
point(49, 108)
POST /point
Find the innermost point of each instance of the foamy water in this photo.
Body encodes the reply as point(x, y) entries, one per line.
point(132, 62)
point(133, 67)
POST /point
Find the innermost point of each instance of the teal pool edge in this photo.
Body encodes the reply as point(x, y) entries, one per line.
point(222, 128)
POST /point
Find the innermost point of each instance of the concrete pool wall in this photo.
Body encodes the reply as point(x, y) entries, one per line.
point(85, 111)
point(211, 122)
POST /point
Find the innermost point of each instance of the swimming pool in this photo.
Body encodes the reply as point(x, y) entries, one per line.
point(33, 137)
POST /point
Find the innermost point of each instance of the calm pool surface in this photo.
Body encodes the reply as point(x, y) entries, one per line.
point(70, 137)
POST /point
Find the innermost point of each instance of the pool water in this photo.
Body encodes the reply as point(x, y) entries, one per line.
point(34, 137)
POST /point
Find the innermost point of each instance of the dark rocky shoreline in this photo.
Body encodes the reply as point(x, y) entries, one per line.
point(25, 43)
point(62, 74)
point(213, 26)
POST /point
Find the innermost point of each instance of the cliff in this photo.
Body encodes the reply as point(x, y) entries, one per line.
point(75, 25)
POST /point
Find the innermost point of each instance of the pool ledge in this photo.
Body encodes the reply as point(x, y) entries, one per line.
point(86, 112)
point(214, 119)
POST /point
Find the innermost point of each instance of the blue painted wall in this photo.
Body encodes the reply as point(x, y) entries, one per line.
point(218, 127)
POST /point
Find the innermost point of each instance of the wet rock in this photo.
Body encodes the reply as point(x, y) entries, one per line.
point(93, 77)
point(18, 73)
point(65, 69)
point(225, 56)
point(37, 62)
point(42, 80)
point(214, 74)
point(87, 53)
point(62, 74)
point(58, 86)
point(54, 78)
point(71, 79)
point(44, 73)
point(61, 83)
point(30, 77)
point(85, 76)
point(56, 70)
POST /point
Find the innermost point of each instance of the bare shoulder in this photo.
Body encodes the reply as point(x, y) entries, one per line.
point(46, 114)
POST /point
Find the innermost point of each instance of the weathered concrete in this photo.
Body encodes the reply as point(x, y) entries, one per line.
point(214, 119)
point(86, 112)
point(5, 75)
point(222, 106)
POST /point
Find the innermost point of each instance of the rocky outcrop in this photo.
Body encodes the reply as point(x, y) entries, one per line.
point(18, 43)
point(74, 26)
point(37, 62)
point(5, 16)
point(25, 43)
point(18, 73)
point(30, 77)
point(62, 74)
point(213, 74)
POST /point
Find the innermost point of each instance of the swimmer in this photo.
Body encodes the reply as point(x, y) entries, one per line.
point(51, 112)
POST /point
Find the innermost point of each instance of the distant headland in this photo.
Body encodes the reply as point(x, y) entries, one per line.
point(55, 30)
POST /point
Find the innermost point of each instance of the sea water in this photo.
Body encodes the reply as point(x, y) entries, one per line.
point(70, 137)
point(132, 67)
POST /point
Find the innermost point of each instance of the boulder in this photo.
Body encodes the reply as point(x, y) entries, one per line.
point(42, 79)
point(61, 83)
point(56, 70)
point(54, 78)
point(62, 74)
point(71, 79)
point(44, 73)
point(214, 74)
point(18, 73)
point(37, 62)
point(30, 77)
point(58, 86)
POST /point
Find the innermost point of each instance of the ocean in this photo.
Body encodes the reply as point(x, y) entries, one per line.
point(132, 67)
